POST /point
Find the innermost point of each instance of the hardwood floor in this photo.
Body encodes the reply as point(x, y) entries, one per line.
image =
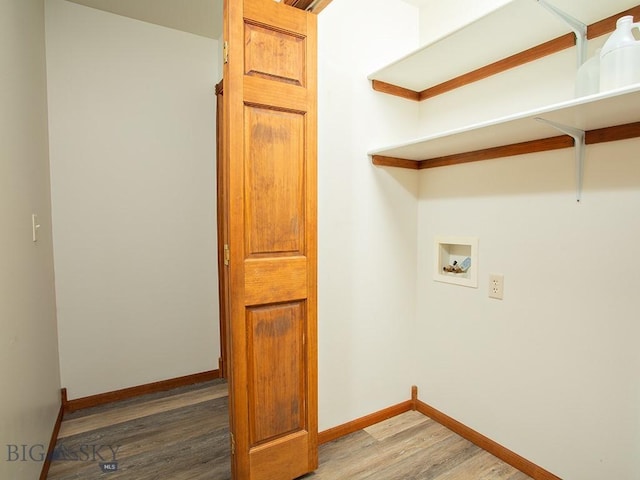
point(183, 435)
point(409, 446)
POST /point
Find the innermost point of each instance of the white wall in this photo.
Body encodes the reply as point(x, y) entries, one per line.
point(29, 371)
point(551, 371)
point(545, 81)
point(132, 121)
point(438, 19)
point(367, 216)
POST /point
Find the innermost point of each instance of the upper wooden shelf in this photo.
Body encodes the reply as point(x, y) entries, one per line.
point(515, 33)
point(608, 116)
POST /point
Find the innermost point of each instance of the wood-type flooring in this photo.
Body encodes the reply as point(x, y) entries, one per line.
point(183, 435)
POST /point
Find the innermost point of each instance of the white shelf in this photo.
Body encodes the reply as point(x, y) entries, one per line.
point(616, 107)
point(512, 28)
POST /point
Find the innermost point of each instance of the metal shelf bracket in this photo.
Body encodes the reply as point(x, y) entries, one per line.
point(580, 150)
point(579, 29)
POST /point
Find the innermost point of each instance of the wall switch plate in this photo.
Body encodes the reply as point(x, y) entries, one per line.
point(496, 286)
point(35, 225)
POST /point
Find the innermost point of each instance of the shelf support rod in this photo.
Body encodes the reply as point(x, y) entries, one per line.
point(579, 29)
point(580, 150)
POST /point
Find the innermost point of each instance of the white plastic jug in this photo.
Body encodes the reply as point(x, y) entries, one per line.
point(620, 56)
point(588, 76)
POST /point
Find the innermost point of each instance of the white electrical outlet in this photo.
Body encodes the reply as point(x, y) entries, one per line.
point(496, 286)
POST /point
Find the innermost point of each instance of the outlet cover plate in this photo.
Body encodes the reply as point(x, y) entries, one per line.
point(496, 286)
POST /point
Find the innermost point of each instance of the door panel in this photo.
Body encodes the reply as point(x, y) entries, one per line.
point(259, 61)
point(270, 133)
point(276, 332)
point(274, 181)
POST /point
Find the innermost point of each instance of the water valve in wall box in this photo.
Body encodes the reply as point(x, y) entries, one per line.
point(456, 260)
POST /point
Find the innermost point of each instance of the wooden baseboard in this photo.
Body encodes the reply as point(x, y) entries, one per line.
point(494, 448)
point(534, 471)
point(503, 453)
point(363, 422)
point(131, 392)
point(54, 436)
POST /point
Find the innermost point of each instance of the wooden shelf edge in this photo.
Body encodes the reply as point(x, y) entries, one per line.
point(608, 24)
point(542, 50)
point(382, 161)
point(613, 134)
point(511, 150)
point(390, 89)
point(601, 135)
point(539, 51)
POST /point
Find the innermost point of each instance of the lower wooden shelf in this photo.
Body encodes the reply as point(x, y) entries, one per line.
point(605, 117)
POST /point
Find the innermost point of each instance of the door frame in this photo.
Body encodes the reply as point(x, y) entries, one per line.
point(222, 232)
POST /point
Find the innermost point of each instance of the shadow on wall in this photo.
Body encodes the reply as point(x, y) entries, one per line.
point(404, 177)
point(608, 167)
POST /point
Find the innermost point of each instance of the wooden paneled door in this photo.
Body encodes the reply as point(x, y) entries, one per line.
point(269, 137)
